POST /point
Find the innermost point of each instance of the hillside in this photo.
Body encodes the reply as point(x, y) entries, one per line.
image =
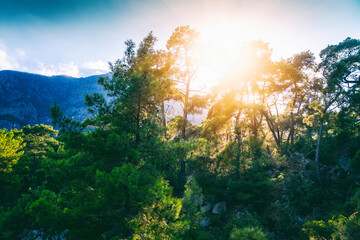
point(26, 98)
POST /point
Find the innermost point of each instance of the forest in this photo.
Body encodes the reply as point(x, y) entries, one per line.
point(277, 156)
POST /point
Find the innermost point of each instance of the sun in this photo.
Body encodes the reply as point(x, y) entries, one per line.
point(221, 53)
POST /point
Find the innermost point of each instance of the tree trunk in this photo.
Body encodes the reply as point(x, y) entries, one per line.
point(163, 117)
point(137, 130)
point(272, 130)
point(186, 106)
point(290, 138)
point(317, 154)
point(238, 146)
point(183, 134)
point(317, 163)
point(238, 156)
point(183, 131)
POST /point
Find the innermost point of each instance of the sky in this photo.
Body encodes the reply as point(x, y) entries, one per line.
point(79, 37)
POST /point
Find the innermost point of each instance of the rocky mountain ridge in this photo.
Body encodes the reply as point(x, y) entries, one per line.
point(26, 98)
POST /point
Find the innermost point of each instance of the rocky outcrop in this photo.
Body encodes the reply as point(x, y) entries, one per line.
point(204, 223)
point(219, 208)
point(26, 98)
point(206, 207)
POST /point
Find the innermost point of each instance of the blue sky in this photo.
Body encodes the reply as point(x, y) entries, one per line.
point(79, 37)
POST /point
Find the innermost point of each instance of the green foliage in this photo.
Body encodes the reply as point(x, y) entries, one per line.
point(15, 222)
point(160, 219)
point(182, 46)
point(175, 125)
point(324, 230)
point(303, 193)
point(340, 63)
point(191, 203)
point(46, 212)
point(40, 139)
point(68, 126)
point(335, 228)
point(40, 146)
point(352, 227)
point(255, 145)
point(247, 233)
point(253, 191)
point(346, 124)
point(355, 162)
point(197, 103)
point(11, 149)
point(355, 200)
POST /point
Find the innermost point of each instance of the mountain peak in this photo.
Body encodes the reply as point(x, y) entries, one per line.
point(25, 98)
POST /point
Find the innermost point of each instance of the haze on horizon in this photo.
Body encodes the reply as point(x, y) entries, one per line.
point(79, 38)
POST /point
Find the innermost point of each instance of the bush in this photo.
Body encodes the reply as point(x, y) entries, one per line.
point(248, 233)
point(352, 227)
point(341, 228)
point(355, 162)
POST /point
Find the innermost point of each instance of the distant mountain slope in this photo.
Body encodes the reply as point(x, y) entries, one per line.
point(26, 98)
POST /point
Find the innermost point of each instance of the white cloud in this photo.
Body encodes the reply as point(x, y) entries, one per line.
point(94, 67)
point(7, 62)
point(20, 61)
point(72, 69)
point(10, 60)
point(69, 69)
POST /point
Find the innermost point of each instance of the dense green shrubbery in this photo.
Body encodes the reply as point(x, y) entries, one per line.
point(248, 233)
point(336, 228)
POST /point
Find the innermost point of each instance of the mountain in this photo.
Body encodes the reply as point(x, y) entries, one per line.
point(26, 98)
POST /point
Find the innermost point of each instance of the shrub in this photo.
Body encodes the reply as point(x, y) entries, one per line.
point(248, 233)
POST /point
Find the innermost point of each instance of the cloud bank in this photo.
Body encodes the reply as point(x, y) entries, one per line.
point(18, 60)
